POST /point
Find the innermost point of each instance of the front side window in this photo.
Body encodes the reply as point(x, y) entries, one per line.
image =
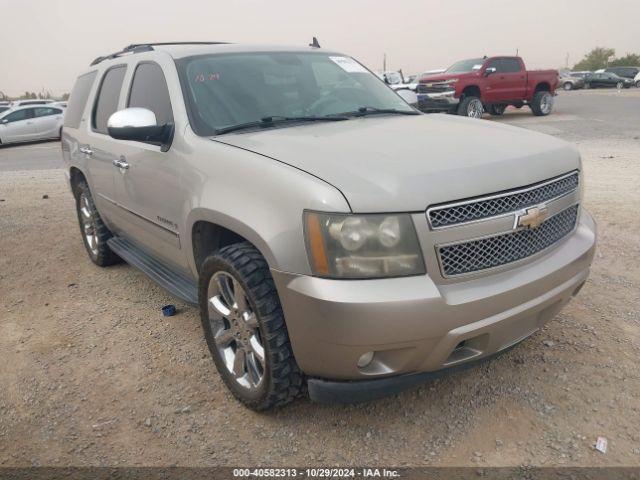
point(224, 90)
point(107, 102)
point(19, 115)
point(149, 90)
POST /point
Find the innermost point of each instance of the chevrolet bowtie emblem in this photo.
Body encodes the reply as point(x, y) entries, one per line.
point(533, 217)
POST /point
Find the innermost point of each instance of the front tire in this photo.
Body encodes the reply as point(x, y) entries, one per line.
point(542, 104)
point(94, 232)
point(245, 329)
point(567, 86)
point(620, 85)
point(471, 107)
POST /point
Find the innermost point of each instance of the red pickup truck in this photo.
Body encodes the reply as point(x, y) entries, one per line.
point(470, 87)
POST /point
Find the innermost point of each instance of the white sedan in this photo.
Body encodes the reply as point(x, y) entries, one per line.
point(28, 123)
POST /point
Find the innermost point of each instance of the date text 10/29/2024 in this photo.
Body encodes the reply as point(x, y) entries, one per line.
point(315, 473)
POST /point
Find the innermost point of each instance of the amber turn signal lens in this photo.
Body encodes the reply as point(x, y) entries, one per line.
point(315, 241)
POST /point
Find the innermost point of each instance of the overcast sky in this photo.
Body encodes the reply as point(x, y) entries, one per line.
point(46, 43)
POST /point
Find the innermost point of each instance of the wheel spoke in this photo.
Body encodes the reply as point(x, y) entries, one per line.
point(240, 298)
point(239, 363)
point(257, 349)
point(224, 337)
point(218, 305)
point(250, 319)
point(224, 287)
point(253, 369)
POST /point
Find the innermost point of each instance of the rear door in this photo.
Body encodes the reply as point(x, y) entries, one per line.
point(149, 190)
point(509, 82)
point(18, 126)
point(48, 121)
point(100, 150)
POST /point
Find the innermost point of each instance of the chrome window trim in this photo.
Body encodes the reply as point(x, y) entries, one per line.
point(499, 195)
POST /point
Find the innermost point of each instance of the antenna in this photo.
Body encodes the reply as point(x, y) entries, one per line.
point(314, 43)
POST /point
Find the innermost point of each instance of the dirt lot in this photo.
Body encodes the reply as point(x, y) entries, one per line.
point(93, 374)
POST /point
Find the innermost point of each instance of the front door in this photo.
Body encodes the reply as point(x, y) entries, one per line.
point(18, 126)
point(148, 187)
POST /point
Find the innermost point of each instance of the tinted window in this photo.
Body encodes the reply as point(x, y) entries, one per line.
point(3, 109)
point(78, 100)
point(18, 115)
point(149, 90)
point(107, 102)
point(510, 65)
point(45, 112)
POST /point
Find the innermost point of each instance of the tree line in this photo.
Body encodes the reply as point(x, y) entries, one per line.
point(603, 57)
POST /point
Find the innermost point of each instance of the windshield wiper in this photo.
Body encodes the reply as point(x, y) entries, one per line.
point(276, 120)
point(364, 111)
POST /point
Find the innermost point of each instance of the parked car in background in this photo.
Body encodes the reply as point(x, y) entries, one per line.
point(397, 81)
point(328, 233)
point(470, 87)
point(624, 72)
point(566, 81)
point(3, 108)
point(22, 103)
point(606, 79)
point(637, 80)
point(30, 122)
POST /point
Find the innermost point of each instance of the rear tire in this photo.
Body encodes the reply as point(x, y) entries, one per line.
point(471, 107)
point(497, 109)
point(245, 329)
point(94, 232)
point(620, 85)
point(638, 84)
point(542, 104)
point(567, 86)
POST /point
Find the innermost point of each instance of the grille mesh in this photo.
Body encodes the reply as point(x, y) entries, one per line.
point(491, 252)
point(476, 210)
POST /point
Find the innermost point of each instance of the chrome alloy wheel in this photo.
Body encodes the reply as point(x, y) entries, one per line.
point(546, 104)
point(88, 224)
point(235, 331)
point(475, 108)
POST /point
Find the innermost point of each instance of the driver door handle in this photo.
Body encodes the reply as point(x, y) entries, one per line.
point(86, 151)
point(121, 163)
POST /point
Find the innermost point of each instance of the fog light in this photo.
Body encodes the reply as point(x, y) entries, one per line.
point(365, 359)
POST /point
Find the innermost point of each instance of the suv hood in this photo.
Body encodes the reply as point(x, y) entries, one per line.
point(407, 163)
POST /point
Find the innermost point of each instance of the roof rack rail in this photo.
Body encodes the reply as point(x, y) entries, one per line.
point(146, 47)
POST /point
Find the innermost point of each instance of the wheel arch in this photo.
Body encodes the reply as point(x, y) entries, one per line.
point(209, 230)
point(75, 177)
point(471, 90)
point(542, 87)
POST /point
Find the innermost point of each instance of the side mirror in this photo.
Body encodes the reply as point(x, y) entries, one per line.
point(490, 70)
point(140, 125)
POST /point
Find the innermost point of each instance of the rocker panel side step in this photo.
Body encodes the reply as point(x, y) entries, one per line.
point(174, 282)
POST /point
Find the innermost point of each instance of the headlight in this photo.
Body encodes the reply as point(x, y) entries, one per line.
point(362, 246)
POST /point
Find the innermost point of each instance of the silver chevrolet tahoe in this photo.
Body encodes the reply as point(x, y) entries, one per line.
point(335, 240)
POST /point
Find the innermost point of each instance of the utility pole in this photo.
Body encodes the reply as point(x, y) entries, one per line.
point(384, 62)
point(566, 62)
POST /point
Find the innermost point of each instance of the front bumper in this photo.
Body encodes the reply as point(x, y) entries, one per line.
point(440, 101)
point(415, 325)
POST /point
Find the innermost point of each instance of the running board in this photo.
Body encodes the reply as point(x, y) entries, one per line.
point(176, 283)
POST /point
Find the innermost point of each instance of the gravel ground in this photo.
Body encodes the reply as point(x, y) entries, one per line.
point(93, 374)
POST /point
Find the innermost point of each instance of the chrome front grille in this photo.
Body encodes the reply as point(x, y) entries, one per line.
point(489, 252)
point(502, 203)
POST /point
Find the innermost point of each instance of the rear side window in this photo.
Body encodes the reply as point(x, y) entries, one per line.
point(149, 90)
point(45, 112)
point(78, 99)
point(108, 96)
point(510, 65)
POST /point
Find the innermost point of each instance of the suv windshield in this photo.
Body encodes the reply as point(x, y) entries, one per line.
point(223, 91)
point(465, 66)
